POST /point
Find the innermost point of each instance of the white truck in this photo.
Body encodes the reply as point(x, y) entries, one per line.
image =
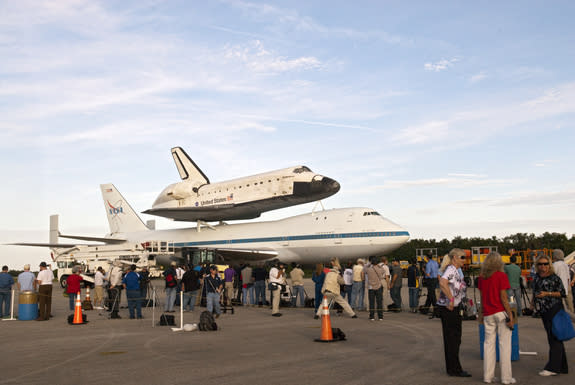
point(90, 257)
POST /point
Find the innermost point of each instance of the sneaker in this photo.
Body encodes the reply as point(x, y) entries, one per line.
point(372, 319)
point(354, 316)
point(316, 317)
point(493, 380)
point(381, 319)
point(511, 381)
point(547, 373)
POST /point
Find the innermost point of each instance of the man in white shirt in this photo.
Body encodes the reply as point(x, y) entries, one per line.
point(562, 271)
point(99, 279)
point(277, 281)
point(44, 281)
point(115, 292)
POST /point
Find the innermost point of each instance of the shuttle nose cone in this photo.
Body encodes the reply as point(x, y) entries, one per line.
point(330, 185)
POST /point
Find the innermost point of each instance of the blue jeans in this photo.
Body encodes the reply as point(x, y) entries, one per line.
point(6, 297)
point(413, 297)
point(347, 289)
point(395, 293)
point(72, 299)
point(375, 302)
point(213, 302)
point(357, 290)
point(260, 289)
point(134, 302)
point(170, 298)
point(297, 291)
point(190, 299)
point(246, 290)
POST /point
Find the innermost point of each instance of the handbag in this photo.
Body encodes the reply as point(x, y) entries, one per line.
point(563, 326)
point(272, 286)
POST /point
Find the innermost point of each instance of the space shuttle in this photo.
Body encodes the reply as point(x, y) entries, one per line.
point(196, 199)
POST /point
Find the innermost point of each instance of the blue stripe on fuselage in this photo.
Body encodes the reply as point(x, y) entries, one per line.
point(294, 238)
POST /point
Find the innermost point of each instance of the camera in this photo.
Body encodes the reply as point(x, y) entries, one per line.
point(507, 319)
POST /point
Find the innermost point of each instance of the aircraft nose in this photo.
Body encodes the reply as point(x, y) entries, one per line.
point(330, 185)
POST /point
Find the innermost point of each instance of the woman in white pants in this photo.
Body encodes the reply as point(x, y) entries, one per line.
point(497, 318)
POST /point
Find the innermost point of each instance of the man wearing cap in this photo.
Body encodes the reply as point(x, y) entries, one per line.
point(357, 287)
point(277, 280)
point(6, 282)
point(431, 281)
point(44, 281)
point(115, 292)
point(99, 279)
point(213, 285)
point(171, 287)
point(131, 283)
point(562, 270)
point(26, 280)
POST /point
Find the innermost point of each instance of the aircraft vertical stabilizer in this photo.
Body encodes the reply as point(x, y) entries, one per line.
point(121, 216)
point(54, 229)
point(187, 168)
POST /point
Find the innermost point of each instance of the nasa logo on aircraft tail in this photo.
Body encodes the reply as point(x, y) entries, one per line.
point(115, 210)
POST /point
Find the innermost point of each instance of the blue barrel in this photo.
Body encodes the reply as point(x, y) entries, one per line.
point(514, 342)
point(28, 306)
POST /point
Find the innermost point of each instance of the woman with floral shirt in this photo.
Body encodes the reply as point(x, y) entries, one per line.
point(452, 292)
point(548, 292)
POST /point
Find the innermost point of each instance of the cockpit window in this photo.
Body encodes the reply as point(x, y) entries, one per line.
point(365, 213)
point(301, 169)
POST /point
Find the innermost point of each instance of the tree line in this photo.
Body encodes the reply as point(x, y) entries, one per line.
point(519, 241)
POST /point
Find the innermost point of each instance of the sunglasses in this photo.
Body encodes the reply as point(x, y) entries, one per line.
point(462, 257)
point(543, 264)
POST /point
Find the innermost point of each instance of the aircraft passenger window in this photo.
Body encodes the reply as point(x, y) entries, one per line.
point(261, 182)
point(269, 181)
point(248, 185)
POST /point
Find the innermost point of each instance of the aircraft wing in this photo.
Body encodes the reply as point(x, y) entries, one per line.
point(93, 239)
point(50, 245)
point(247, 255)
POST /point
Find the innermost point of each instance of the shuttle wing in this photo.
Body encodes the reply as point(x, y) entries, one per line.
point(227, 212)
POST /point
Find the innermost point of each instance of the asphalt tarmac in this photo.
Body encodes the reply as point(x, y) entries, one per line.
point(251, 347)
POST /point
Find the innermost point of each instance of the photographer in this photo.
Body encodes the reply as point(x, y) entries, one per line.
point(277, 284)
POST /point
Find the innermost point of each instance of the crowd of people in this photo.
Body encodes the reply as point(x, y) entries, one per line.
point(357, 287)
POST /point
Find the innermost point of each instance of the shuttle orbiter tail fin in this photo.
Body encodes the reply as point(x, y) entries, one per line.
point(187, 168)
point(121, 216)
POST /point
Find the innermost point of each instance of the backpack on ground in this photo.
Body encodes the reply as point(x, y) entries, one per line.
point(167, 320)
point(207, 322)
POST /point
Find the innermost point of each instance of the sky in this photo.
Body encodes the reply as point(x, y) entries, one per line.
point(449, 118)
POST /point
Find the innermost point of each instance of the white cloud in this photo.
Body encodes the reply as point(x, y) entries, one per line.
point(434, 131)
point(441, 65)
point(259, 59)
point(452, 181)
point(478, 77)
point(530, 198)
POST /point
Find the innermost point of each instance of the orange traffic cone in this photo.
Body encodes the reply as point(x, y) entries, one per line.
point(87, 304)
point(78, 320)
point(326, 333)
